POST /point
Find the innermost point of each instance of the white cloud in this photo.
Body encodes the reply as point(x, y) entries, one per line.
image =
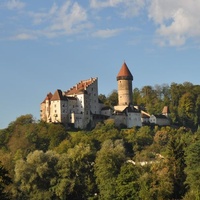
point(177, 21)
point(107, 33)
point(104, 4)
point(14, 4)
point(127, 8)
point(69, 18)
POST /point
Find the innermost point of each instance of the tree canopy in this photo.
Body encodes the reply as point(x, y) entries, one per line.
point(45, 161)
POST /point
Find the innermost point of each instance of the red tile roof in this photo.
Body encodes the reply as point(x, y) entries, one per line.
point(58, 95)
point(124, 73)
point(80, 87)
point(48, 97)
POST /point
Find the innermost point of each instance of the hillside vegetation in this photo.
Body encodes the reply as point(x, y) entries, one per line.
point(46, 161)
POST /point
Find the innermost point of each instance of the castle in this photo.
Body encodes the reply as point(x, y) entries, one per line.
point(79, 107)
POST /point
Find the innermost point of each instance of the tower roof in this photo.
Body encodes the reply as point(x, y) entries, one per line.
point(124, 73)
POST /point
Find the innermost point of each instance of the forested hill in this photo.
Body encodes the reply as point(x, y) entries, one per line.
point(183, 101)
point(44, 161)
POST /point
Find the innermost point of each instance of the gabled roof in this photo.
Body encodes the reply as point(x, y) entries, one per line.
point(48, 97)
point(165, 110)
point(80, 87)
point(58, 95)
point(124, 73)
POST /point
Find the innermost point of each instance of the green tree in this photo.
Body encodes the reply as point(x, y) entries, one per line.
point(186, 109)
point(107, 167)
point(176, 163)
point(155, 182)
point(127, 186)
point(81, 165)
point(102, 98)
point(5, 180)
point(112, 98)
point(57, 133)
point(192, 169)
point(36, 176)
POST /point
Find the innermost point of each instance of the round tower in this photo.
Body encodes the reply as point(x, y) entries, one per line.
point(124, 79)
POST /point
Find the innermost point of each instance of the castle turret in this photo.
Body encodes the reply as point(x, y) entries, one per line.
point(124, 79)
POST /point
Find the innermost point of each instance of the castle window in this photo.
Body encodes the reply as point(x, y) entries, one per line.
point(55, 111)
point(54, 105)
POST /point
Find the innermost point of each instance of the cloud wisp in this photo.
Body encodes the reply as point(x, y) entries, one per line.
point(69, 18)
point(14, 4)
point(106, 33)
point(176, 21)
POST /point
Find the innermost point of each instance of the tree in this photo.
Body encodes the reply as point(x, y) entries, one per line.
point(113, 98)
point(192, 169)
point(127, 185)
point(57, 133)
point(157, 182)
point(36, 176)
point(176, 164)
point(5, 180)
point(186, 109)
point(80, 164)
point(107, 167)
point(102, 98)
point(137, 99)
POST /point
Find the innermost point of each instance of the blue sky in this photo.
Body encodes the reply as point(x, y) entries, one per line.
point(48, 45)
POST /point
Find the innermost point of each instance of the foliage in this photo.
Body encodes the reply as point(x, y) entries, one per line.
point(127, 185)
point(107, 166)
point(45, 161)
point(192, 168)
point(4, 181)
